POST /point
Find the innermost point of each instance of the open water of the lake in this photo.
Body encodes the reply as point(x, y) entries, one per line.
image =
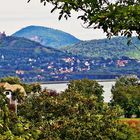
point(107, 85)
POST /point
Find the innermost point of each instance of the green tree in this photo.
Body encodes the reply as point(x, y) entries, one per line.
point(18, 95)
point(11, 80)
point(27, 87)
point(74, 114)
point(131, 80)
point(126, 93)
point(13, 127)
point(87, 87)
point(2, 89)
point(121, 16)
point(36, 88)
point(33, 108)
point(32, 88)
point(4, 112)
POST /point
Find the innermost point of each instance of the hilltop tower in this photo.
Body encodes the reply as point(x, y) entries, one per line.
point(2, 35)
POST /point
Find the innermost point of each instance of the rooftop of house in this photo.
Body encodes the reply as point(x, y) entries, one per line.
point(13, 87)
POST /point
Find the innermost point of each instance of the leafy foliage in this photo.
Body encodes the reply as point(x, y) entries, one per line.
point(78, 114)
point(126, 93)
point(86, 87)
point(121, 16)
point(36, 88)
point(14, 127)
point(17, 94)
point(11, 80)
point(75, 114)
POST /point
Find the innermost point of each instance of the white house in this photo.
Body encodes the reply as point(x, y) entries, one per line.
point(8, 89)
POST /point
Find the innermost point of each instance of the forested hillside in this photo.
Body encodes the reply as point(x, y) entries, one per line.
point(47, 36)
point(31, 62)
point(27, 59)
point(113, 48)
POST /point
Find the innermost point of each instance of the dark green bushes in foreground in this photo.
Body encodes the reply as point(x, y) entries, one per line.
point(126, 94)
point(79, 113)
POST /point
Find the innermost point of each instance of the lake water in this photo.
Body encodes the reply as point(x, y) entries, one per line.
point(59, 87)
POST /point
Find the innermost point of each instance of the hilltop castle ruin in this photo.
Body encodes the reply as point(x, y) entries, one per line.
point(2, 35)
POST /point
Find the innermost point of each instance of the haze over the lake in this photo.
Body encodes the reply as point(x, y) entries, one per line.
point(16, 14)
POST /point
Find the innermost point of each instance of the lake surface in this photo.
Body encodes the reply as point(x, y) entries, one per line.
point(59, 87)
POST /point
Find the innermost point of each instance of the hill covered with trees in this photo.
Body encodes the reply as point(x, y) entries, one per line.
point(27, 59)
point(106, 48)
point(47, 36)
point(31, 61)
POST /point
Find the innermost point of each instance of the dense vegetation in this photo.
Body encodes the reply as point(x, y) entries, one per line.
point(107, 48)
point(78, 113)
point(113, 48)
point(27, 59)
point(126, 93)
point(47, 36)
point(113, 17)
point(31, 61)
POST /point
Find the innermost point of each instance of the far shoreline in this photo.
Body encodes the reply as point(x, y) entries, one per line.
point(63, 82)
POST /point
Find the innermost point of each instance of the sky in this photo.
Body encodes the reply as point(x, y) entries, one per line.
point(16, 14)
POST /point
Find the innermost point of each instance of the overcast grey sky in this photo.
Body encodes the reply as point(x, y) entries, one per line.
point(16, 14)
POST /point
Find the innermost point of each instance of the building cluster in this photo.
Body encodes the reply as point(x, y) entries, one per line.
point(57, 67)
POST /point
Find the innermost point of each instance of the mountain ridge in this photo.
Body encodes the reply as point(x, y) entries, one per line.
point(33, 62)
point(115, 47)
point(47, 36)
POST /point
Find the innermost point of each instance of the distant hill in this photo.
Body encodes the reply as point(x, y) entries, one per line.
point(27, 59)
point(47, 36)
point(21, 46)
point(33, 62)
point(113, 48)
